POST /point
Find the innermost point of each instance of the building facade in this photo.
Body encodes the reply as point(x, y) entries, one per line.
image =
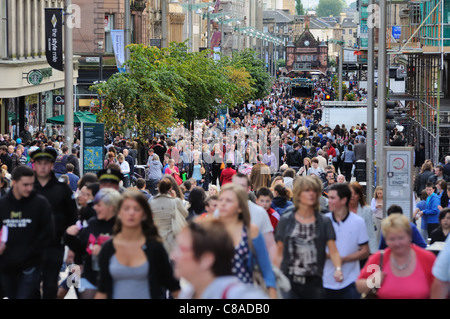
point(306, 55)
point(25, 101)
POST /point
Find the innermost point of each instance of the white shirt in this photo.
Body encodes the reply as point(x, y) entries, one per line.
point(125, 167)
point(351, 233)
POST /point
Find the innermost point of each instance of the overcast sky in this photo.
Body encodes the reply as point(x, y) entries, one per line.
point(313, 3)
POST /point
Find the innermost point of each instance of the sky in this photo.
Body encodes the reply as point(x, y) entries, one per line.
point(313, 3)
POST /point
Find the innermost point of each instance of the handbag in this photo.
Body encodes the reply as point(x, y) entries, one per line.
point(178, 221)
point(282, 282)
point(372, 294)
point(177, 178)
point(202, 170)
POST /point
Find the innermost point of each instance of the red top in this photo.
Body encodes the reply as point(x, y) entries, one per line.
point(331, 151)
point(274, 217)
point(415, 286)
point(226, 175)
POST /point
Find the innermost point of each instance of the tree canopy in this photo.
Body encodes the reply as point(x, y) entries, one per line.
point(170, 85)
point(299, 10)
point(327, 8)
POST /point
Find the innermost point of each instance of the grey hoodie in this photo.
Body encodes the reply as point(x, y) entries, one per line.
point(155, 170)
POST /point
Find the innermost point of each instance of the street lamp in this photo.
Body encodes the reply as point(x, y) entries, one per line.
point(100, 47)
point(190, 7)
point(209, 9)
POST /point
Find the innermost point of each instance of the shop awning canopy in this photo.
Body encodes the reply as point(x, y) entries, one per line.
point(78, 118)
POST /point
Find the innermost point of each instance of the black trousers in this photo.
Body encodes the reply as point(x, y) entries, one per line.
point(312, 288)
point(216, 171)
point(348, 171)
point(50, 271)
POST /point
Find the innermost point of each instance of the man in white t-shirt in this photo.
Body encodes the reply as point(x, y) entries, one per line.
point(352, 243)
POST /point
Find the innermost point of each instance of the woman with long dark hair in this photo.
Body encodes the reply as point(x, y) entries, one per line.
point(134, 263)
point(196, 201)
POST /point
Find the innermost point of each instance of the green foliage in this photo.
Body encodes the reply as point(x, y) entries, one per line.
point(281, 63)
point(335, 85)
point(350, 97)
point(299, 10)
point(326, 8)
point(169, 85)
point(247, 59)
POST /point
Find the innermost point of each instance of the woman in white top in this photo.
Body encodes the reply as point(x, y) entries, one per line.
point(377, 210)
point(125, 169)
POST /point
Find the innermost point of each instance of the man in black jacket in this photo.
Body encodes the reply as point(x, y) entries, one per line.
point(73, 159)
point(64, 211)
point(294, 158)
point(28, 219)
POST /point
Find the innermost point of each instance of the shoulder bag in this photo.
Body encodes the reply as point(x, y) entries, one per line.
point(372, 294)
point(178, 221)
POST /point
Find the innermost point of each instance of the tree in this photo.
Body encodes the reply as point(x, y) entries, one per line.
point(170, 85)
point(144, 98)
point(335, 85)
point(262, 81)
point(327, 8)
point(299, 8)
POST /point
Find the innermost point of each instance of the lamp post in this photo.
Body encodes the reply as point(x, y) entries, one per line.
point(100, 47)
point(68, 77)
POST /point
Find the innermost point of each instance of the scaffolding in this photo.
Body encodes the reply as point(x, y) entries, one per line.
point(426, 105)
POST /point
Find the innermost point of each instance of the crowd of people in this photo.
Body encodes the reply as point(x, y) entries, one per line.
point(258, 203)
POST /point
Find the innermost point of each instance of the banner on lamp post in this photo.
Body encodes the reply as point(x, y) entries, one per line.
point(53, 37)
point(118, 43)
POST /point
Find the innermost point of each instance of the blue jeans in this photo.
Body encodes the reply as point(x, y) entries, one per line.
point(21, 284)
point(348, 292)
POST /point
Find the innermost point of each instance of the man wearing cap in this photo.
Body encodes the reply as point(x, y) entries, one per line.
point(110, 178)
point(64, 211)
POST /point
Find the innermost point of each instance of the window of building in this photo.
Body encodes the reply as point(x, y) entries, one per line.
point(343, 31)
point(109, 25)
point(350, 31)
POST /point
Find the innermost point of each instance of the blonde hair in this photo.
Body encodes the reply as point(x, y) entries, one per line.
point(242, 198)
point(395, 222)
point(378, 188)
point(303, 184)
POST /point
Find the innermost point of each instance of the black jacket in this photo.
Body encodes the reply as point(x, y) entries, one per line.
point(73, 159)
point(421, 181)
point(294, 158)
point(80, 243)
point(160, 276)
point(30, 230)
point(63, 205)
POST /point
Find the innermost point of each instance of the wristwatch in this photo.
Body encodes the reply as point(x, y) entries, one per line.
point(339, 268)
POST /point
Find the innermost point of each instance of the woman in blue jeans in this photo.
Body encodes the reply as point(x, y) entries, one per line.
point(348, 158)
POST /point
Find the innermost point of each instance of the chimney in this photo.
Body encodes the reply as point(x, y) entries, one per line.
point(307, 18)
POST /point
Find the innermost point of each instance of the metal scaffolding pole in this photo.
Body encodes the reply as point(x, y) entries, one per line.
point(381, 95)
point(370, 111)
